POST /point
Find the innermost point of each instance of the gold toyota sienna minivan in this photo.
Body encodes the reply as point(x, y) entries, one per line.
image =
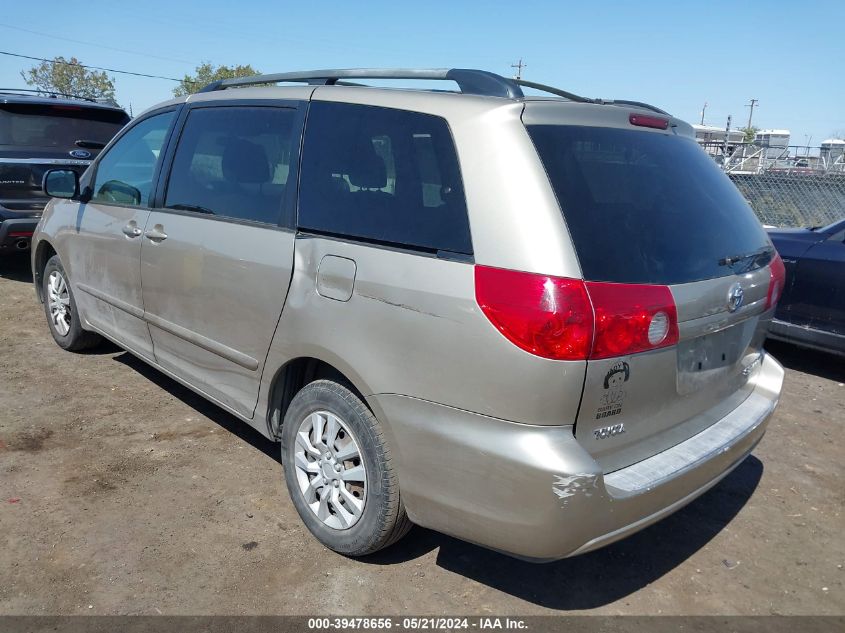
point(534, 323)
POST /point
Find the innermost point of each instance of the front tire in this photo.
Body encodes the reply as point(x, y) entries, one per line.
point(60, 308)
point(339, 471)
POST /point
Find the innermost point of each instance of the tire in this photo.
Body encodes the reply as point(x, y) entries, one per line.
point(381, 519)
point(60, 308)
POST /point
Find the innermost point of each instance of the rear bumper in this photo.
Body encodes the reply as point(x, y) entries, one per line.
point(535, 493)
point(16, 234)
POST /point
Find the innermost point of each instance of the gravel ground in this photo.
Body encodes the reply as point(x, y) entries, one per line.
point(124, 493)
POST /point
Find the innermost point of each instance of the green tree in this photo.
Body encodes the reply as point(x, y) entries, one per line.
point(69, 76)
point(749, 133)
point(205, 73)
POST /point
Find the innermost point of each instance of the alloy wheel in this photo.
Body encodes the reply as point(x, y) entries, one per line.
point(330, 470)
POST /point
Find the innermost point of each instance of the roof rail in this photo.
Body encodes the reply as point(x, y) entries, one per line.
point(477, 82)
point(470, 81)
point(638, 104)
point(45, 93)
point(552, 90)
point(573, 97)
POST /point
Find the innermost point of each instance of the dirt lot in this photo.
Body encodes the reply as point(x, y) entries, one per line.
point(123, 492)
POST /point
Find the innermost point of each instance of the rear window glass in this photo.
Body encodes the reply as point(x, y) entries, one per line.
point(25, 125)
point(644, 207)
point(384, 175)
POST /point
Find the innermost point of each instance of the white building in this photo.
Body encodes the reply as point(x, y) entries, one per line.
point(712, 140)
point(775, 142)
point(832, 151)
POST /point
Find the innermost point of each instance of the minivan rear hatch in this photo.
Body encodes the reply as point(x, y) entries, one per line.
point(646, 205)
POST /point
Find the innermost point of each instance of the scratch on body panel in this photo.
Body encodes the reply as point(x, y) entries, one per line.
point(570, 485)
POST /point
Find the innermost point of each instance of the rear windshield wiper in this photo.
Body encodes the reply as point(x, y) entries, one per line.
point(89, 144)
point(752, 258)
point(191, 207)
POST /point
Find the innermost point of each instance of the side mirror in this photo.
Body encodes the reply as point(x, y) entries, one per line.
point(61, 183)
point(119, 193)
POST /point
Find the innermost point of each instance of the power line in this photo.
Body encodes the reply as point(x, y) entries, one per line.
point(109, 48)
point(109, 70)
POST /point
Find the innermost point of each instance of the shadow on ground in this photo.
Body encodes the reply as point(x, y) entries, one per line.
point(598, 578)
point(15, 267)
point(808, 361)
point(214, 413)
point(584, 582)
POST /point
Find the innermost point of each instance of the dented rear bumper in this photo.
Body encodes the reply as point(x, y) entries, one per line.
point(535, 493)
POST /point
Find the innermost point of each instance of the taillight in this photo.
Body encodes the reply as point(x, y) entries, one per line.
point(777, 278)
point(568, 319)
point(547, 316)
point(632, 318)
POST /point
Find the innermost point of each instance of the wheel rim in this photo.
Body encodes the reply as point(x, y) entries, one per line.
point(58, 302)
point(330, 470)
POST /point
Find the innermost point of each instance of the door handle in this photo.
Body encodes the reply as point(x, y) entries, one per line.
point(156, 234)
point(131, 230)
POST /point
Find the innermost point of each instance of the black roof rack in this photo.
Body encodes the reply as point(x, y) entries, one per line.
point(477, 82)
point(470, 81)
point(579, 99)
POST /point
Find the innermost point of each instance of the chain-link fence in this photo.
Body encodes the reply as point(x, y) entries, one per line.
point(794, 199)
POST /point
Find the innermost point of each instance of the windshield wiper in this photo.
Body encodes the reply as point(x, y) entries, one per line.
point(751, 257)
point(191, 207)
point(89, 144)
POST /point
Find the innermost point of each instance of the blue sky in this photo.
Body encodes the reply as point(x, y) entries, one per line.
point(789, 55)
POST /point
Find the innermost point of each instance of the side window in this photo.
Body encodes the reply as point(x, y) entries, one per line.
point(125, 174)
point(384, 175)
point(233, 161)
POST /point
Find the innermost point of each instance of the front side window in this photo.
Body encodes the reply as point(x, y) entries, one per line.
point(125, 173)
point(384, 175)
point(234, 162)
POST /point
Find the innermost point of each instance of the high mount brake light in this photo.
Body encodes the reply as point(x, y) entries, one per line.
point(777, 279)
point(568, 319)
point(644, 120)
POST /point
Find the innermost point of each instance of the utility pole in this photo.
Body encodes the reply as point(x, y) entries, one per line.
point(519, 66)
point(751, 105)
point(725, 145)
point(702, 112)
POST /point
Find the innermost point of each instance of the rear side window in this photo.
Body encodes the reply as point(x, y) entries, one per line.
point(233, 162)
point(384, 175)
point(125, 173)
point(645, 207)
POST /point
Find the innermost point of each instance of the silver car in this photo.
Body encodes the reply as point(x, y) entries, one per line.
point(533, 323)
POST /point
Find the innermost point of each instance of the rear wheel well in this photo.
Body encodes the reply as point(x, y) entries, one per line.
point(292, 377)
point(43, 253)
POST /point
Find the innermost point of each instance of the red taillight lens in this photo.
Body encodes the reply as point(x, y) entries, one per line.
point(643, 120)
point(568, 319)
point(777, 278)
point(632, 318)
point(547, 316)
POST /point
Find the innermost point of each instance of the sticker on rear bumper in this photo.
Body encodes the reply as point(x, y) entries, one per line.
point(614, 395)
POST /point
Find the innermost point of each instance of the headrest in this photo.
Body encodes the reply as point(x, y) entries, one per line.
point(245, 162)
point(366, 169)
